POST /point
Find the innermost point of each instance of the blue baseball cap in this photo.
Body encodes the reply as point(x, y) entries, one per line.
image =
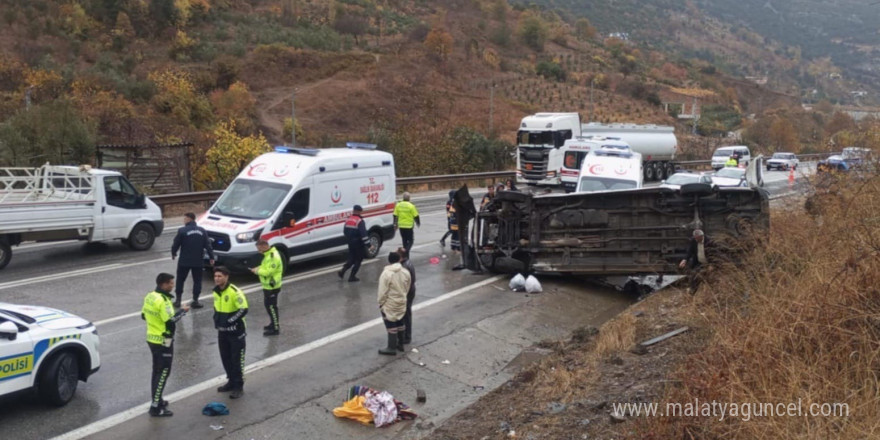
point(357, 208)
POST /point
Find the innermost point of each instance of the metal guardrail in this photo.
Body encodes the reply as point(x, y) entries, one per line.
point(209, 196)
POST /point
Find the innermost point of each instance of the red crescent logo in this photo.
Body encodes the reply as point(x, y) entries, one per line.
point(621, 170)
point(336, 195)
point(282, 172)
point(257, 169)
point(596, 169)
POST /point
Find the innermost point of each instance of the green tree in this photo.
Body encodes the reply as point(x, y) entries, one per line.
point(52, 132)
point(287, 129)
point(584, 30)
point(551, 70)
point(533, 31)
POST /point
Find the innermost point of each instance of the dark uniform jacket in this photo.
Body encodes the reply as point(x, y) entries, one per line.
point(193, 243)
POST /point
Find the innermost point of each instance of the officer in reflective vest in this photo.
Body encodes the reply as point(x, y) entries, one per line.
point(270, 272)
point(358, 241)
point(158, 311)
point(406, 217)
point(230, 307)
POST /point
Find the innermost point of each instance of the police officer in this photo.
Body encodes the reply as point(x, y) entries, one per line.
point(270, 271)
point(230, 307)
point(193, 243)
point(356, 234)
point(406, 217)
point(159, 313)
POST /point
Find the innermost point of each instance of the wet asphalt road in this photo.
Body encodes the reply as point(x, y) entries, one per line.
point(106, 283)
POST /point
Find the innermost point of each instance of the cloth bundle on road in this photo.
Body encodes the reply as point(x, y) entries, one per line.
point(215, 409)
point(366, 405)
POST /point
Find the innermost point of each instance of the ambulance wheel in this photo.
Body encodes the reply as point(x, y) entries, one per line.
point(5, 254)
point(58, 382)
point(141, 237)
point(375, 243)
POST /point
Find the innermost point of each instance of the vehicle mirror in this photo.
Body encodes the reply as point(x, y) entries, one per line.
point(141, 201)
point(663, 182)
point(9, 330)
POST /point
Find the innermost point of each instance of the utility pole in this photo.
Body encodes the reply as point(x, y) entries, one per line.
point(491, 107)
point(27, 97)
point(694, 111)
point(293, 118)
point(592, 83)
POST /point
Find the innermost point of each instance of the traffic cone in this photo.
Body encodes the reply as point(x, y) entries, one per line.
point(791, 176)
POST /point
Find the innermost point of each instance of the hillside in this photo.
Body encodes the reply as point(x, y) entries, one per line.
point(414, 76)
point(800, 45)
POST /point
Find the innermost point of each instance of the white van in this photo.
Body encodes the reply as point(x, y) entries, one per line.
point(611, 168)
point(722, 154)
point(298, 200)
point(575, 150)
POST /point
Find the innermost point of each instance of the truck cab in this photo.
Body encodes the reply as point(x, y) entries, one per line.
point(610, 167)
point(539, 139)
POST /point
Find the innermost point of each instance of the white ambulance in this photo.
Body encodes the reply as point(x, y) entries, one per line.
point(610, 168)
point(298, 199)
point(575, 150)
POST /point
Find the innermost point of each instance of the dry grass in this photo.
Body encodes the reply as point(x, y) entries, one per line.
point(795, 320)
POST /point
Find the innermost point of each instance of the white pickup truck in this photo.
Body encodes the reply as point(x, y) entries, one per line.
point(52, 203)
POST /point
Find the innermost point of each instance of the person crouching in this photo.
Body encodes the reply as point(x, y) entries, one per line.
point(393, 287)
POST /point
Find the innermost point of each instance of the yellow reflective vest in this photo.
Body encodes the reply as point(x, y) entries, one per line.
point(271, 269)
point(230, 306)
point(158, 310)
point(406, 214)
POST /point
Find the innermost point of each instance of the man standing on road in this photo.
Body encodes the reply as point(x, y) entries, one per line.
point(270, 272)
point(161, 318)
point(355, 231)
point(410, 294)
point(230, 307)
point(393, 285)
point(193, 243)
point(488, 197)
point(406, 217)
point(695, 259)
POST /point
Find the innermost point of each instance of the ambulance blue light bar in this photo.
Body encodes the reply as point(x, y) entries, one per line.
point(360, 145)
point(303, 151)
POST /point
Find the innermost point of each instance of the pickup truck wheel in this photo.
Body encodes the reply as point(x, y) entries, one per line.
point(58, 382)
point(141, 237)
point(375, 244)
point(5, 254)
point(649, 171)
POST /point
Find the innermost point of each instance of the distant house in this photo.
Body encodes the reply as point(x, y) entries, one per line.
point(759, 80)
point(619, 35)
point(859, 93)
point(685, 102)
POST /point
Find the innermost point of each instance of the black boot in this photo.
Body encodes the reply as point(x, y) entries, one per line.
point(400, 342)
point(391, 349)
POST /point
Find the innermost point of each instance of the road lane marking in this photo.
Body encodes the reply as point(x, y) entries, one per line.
point(74, 273)
point(140, 410)
point(256, 287)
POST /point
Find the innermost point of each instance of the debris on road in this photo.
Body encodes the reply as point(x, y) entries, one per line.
point(420, 396)
point(216, 427)
point(369, 406)
point(666, 336)
point(446, 362)
point(215, 409)
point(533, 285)
point(517, 283)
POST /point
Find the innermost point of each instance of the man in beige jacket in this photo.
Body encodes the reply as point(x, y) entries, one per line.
point(393, 287)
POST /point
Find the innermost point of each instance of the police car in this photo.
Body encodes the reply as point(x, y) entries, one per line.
point(46, 350)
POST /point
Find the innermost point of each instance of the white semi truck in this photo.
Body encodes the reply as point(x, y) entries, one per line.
point(542, 137)
point(53, 203)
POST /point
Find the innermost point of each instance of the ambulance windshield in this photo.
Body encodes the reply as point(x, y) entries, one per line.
point(251, 199)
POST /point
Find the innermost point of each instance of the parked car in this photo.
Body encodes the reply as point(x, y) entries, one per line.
point(46, 350)
point(783, 161)
point(730, 177)
point(676, 180)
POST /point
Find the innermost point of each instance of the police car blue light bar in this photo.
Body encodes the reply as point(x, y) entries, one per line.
point(361, 145)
